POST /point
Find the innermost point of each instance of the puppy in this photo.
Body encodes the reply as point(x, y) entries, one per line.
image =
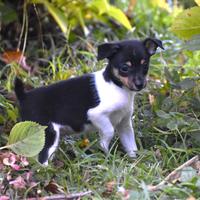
point(101, 101)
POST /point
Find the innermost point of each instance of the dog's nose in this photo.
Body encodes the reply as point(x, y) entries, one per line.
point(139, 85)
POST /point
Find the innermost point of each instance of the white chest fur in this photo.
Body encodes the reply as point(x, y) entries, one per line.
point(115, 102)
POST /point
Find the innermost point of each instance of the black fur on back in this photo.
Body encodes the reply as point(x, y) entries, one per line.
point(65, 102)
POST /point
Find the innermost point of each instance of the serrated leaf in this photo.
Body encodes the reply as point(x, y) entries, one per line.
point(27, 138)
point(187, 23)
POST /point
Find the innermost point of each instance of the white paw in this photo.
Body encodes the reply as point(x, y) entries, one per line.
point(104, 146)
point(45, 164)
point(132, 154)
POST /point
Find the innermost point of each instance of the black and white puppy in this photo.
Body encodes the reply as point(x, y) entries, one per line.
point(101, 101)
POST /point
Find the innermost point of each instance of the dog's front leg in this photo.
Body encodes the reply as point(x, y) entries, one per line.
point(127, 136)
point(105, 127)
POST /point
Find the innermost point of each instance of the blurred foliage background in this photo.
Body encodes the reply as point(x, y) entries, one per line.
point(43, 41)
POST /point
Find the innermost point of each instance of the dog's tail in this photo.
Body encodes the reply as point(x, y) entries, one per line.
point(19, 89)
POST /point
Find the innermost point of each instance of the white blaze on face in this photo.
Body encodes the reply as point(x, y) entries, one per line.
point(142, 61)
point(129, 63)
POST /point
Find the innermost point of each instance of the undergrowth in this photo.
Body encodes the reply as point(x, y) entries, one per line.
point(166, 120)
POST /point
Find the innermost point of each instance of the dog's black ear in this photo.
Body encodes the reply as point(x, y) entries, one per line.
point(107, 50)
point(151, 45)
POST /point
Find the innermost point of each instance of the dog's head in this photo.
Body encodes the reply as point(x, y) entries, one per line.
point(129, 60)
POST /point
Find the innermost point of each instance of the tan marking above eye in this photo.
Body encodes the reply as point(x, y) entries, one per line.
point(142, 61)
point(129, 63)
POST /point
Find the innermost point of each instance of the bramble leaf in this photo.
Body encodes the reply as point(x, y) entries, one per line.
point(27, 138)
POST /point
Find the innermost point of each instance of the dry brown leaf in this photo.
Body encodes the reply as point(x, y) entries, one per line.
point(151, 99)
point(15, 56)
point(84, 143)
point(52, 187)
point(158, 153)
point(12, 56)
point(109, 188)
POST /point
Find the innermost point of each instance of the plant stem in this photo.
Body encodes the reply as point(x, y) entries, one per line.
point(4, 147)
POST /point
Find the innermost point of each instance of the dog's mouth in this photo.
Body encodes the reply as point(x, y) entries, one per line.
point(135, 88)
point(132, 85)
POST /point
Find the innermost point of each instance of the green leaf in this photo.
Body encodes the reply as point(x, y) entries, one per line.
point(7, 13)
point(162, 114)
point(187, 84)
point(104, 7)
point(172, 125)
point(27, 138)
point(187, 23)
point(119, 16)
point(57, 14)
point(197, 2)
point(101, 5)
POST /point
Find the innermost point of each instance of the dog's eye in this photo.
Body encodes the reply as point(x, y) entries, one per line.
point(124, 69)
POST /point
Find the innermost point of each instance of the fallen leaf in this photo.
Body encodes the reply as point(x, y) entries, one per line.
point(151, 99)
point(15, 56)
point(28, 175)
point(1, 166)
point(4, 198)
point(109, 188)
point(84, 143)
point(10, 159)
point(18, 183)
point(125, 193)
point(52, 187)
point(24, 161)
point(16, 167)
point(12, 56)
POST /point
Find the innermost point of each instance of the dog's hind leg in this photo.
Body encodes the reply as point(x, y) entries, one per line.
point(52, 136)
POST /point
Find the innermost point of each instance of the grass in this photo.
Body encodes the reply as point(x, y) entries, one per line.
point(162, 148)
point(166, 122)
point(106, 174)
point(166, 118)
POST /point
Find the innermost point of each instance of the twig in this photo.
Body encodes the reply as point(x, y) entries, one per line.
point(172, 174)
point(63, 196)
